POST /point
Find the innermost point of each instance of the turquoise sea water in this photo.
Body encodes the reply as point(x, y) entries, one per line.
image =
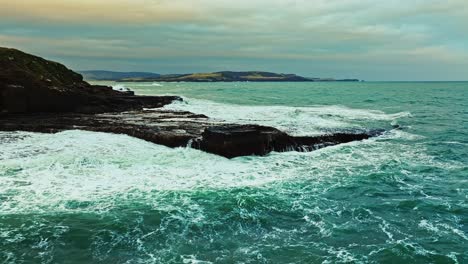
point(83, 197)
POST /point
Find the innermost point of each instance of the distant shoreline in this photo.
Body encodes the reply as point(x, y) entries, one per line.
point(196, 81)
point(224, 76)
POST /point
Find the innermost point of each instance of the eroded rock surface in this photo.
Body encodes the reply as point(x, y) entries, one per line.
point(181, 129)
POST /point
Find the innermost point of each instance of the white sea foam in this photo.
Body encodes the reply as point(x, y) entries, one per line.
point(48, 172)
point(83, 166)
point(294, 120)
point(400, 134)
point(454, 143)
point(143, 85)
point(120, 88)
point(441, 228)
point(192, 259)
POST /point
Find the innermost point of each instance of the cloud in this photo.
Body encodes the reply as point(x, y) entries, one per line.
point(336, 33)
point(240, 11)
point(103, 11)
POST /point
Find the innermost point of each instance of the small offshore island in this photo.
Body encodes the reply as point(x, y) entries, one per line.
point(38, 95)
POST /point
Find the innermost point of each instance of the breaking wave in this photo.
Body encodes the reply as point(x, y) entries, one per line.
point(297, 121)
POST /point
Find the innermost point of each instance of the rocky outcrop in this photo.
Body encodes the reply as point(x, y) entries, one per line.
point(181, 129)
point(237, 140)
point(43, 96)
point(30, 84)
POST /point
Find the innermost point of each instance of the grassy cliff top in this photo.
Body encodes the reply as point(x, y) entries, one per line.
point(17, 67)
point(224, 76)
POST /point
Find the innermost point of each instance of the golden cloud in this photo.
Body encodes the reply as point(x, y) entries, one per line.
point(84, 11)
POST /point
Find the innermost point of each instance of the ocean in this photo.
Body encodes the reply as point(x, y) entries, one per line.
point(85, 197)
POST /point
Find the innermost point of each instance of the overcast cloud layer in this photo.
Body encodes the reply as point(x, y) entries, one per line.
point(367, 39)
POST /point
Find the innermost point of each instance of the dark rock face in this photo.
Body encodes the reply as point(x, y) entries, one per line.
point(30, 84)
point(241, 140)
point(172, 129)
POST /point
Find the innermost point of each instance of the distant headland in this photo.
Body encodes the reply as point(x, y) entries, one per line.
point(223, 76)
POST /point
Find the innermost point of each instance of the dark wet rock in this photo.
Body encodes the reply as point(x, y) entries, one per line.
point(241, 140)
point(181, 129)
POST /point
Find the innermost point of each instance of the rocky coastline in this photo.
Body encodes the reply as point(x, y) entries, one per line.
point(43, 96)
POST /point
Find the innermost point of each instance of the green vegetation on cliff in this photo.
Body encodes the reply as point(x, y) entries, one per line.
point(19, 68)
point(225, 76)
point(230, 76)
point(30, 84)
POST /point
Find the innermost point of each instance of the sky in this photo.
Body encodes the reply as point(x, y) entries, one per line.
point(366, 39)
